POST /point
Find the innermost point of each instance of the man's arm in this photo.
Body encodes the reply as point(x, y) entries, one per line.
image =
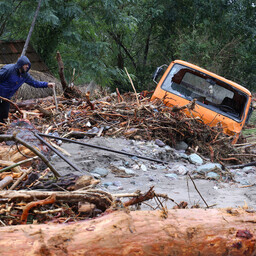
point(35, 83)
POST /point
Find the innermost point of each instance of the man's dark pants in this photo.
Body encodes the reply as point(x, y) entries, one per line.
point(4, 110)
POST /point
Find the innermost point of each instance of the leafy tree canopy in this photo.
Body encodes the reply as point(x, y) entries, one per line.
point(100, 38)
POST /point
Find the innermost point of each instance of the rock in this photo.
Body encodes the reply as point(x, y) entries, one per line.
point(159, 143)
point(183, 155)
point(135, 167)
point(117, 183)
point(127, 171)
point(101, 171)
point(151, 179)
point(143, 168)
point(179, 169)
point(84, 181)
point(249, 169)
point(93, 131)
point(181, 145)
point(114, 188)
point(241, 177)
point(195, 159)
point(86, 208)
point(107, 184)
point(213, 175)
point(122, 171)
point(208, 168)
point(95, 175)
point(173, 176)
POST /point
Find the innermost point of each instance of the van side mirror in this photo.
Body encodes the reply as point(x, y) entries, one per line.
point(158, 72)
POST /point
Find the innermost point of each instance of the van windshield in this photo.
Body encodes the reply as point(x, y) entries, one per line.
point(209, 92)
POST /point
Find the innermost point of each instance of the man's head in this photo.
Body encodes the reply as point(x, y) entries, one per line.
point(23, 64)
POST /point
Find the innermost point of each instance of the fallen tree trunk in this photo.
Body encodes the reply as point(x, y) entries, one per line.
point(183, 232)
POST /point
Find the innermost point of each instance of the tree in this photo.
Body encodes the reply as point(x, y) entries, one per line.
point(100, 38)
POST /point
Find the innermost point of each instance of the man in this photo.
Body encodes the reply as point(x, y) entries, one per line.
point(12, 76)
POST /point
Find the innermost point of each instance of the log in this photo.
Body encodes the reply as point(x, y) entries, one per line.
point(185, 232)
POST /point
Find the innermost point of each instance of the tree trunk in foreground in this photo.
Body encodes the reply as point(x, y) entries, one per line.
point(183, 232)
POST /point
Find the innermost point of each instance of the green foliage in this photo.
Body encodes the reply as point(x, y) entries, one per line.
point(100, 38)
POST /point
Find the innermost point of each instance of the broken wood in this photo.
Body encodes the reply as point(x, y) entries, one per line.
point(184, 232)
point(5, 182)
point(141, 198)
point(45, 112)
point(34, 150)
point(101, 199)
point(16, 183)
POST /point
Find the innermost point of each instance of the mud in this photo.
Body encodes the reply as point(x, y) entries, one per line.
point(143, 174)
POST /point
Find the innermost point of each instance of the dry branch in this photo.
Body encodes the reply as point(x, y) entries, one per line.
point(34, 150)
point(103, 200)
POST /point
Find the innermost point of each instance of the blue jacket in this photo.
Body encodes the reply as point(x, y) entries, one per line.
point(11, 79)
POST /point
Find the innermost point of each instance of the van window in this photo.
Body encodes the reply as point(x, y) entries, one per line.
point(209, 92)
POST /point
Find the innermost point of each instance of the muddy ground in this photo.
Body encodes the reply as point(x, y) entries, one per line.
point(123, 174)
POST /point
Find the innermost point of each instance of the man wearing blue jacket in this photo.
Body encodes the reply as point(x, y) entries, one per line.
point(12, 76)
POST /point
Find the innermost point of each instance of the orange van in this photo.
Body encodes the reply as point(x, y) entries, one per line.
point(219, 101)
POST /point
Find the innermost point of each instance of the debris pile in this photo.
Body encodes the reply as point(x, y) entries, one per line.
point(25, 160)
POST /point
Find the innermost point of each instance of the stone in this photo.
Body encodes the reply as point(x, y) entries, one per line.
point(208, 167)
point(127, 171)
point(114, 188)
point(213, 175)
point(117, 183)
point(249, 169)
point(173, 176)
point(143, 167)
point(183, 155)
point(107, 184)
point(93, 131)
point(182, 170)
point(159, 143)
point(181, 145)
point(101, 171)
point(195, 159)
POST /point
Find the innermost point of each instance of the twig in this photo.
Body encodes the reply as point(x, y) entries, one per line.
point(119, 97)
point(12, 104)
point(138, 102)
point(50, 200)
point(242, 165)
point(198, 190)
point(21, 178)
point(148, 195)
point(17, 164)
point(248, 186)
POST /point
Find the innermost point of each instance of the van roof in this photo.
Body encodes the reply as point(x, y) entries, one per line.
point(237, 86)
